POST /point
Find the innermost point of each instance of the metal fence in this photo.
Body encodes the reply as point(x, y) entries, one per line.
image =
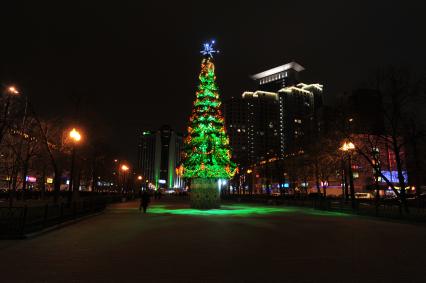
point(16, 222)
point(382, 208)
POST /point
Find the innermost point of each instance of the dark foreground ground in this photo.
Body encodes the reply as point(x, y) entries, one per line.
point(240, 243)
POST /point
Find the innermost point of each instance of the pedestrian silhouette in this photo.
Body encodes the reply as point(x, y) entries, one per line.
point(145, 200)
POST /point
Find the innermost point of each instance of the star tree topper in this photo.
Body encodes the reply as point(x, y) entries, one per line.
point(208, 49)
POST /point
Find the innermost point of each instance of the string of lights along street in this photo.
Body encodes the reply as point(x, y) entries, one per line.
point(206, 148)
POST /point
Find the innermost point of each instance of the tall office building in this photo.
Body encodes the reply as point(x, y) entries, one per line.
point(263, 125)
point(159, 154)
point(298, 117)
point(236, 114)
point(146, 155)
point(279, 118)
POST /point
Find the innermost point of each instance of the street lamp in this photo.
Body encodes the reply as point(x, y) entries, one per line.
point(348, 147)
point(139, 183)
point(75, 135)
point(9, 92)
point(124, 168)
point(75, 138)
point(12, 90)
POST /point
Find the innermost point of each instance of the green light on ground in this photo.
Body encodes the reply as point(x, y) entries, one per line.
point(326, 213)
point(239, 210)
point(230, 210)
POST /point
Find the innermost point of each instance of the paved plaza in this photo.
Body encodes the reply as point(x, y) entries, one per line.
point(239, 243)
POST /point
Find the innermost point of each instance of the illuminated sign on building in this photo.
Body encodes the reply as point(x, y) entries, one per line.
point(392, 176)
point(31, 179)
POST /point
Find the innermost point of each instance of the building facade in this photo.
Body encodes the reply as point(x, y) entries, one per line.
point(263, 125)
point(299, 124)
point(276, 120)
point(274, 79)
point(159, 154)
point(236, 114)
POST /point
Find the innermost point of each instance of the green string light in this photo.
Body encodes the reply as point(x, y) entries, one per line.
point(207, 151)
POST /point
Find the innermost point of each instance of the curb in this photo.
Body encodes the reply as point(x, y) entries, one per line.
point(59, 226)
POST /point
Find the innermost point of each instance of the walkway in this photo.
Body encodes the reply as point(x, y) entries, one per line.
point(237, 244)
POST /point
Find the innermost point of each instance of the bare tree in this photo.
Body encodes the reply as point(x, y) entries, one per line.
point(51, 135)
point(398, 91)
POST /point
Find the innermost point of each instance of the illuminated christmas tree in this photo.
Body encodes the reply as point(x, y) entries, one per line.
point(207, 158)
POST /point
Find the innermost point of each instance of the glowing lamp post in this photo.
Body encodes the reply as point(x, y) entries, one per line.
point(124, 168)
point(75, 138)
point(75, 135)
point(348, 147)
point(8, 92)
point(139, 183)
point(12, 90)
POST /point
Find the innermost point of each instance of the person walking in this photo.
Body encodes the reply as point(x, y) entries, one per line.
point(145, 200)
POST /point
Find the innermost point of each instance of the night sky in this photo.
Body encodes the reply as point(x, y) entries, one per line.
point(126, 66)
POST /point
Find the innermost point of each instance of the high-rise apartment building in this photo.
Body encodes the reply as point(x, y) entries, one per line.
point(159, 154)
point(275, 121)
point(236, 115)
point(263, 125)
point(298, 117)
